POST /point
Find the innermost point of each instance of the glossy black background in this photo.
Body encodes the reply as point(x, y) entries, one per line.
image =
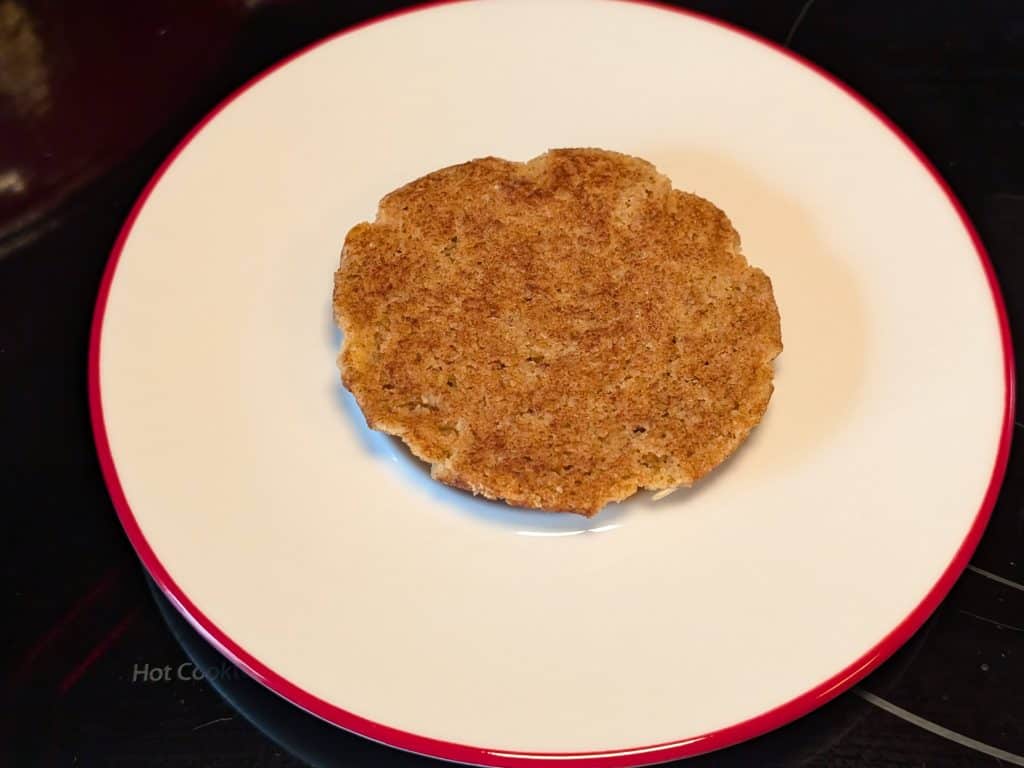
point(94, 94)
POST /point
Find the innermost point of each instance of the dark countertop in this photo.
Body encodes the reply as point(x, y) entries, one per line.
point(98, 671)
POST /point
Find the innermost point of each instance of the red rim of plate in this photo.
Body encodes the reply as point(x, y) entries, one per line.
point(619, 758)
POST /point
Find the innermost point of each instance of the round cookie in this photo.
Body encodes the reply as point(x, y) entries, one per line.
point(558, 333)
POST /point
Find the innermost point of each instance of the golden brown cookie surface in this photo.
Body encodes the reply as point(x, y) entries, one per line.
point(557, 333)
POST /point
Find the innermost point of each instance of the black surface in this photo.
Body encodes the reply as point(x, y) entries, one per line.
point(83, 626)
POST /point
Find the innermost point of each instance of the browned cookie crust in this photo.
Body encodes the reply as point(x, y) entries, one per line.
point(557, 333)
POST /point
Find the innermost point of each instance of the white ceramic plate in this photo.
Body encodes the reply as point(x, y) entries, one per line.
point(320, 558)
